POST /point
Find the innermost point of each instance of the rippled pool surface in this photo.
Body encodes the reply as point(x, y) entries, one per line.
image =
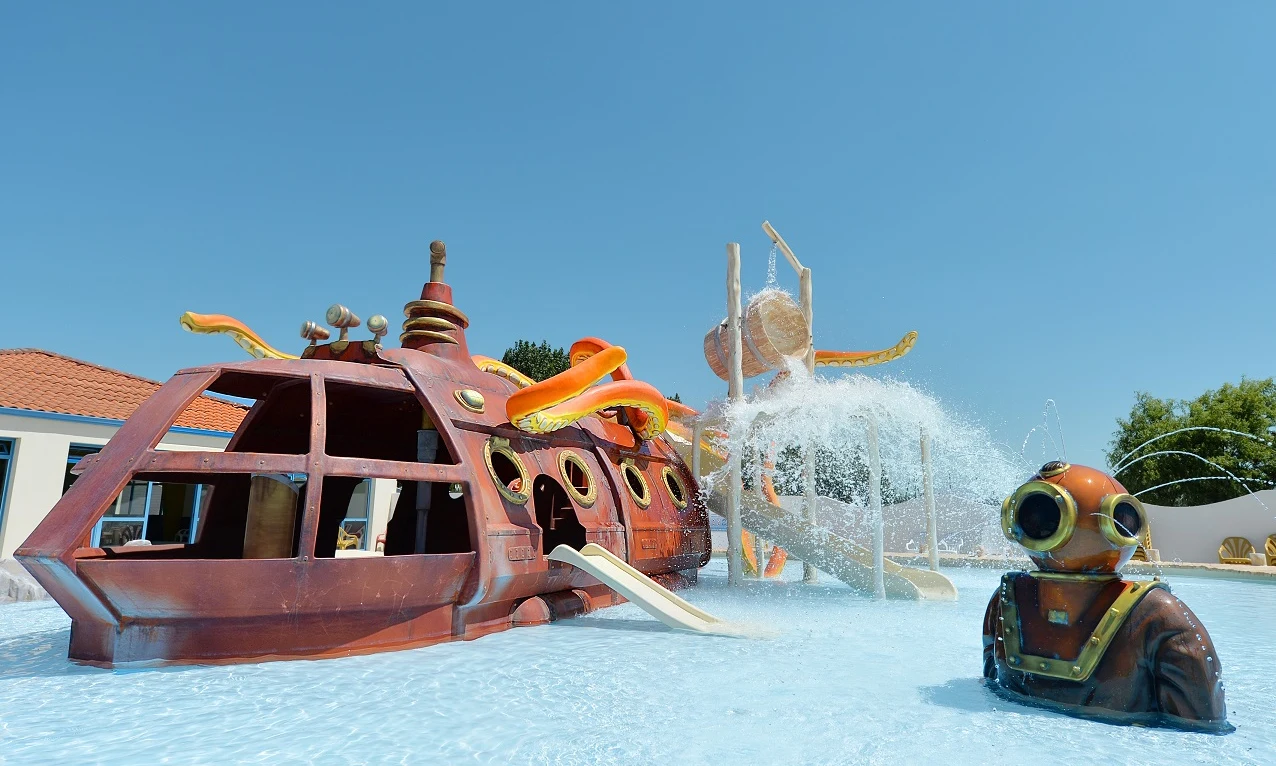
point(841, 680)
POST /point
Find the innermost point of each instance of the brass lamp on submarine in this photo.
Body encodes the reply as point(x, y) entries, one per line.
point(1074, 635)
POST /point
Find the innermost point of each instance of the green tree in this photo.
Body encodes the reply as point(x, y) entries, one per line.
point(675, 398)
point(537, 362)
point(1248, 407)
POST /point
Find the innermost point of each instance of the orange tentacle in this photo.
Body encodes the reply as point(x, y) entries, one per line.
point(569, 396)
point(866, 358)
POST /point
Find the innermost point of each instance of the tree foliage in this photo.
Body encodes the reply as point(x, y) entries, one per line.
point(1249, 407)
point(537, 362)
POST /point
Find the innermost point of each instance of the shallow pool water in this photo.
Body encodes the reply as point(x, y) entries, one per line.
point(837, 679)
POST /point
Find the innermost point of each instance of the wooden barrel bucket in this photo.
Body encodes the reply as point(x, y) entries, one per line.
point(773, 330)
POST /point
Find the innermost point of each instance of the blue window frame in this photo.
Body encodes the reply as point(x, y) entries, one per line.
point(161, 512)
point(6, 459)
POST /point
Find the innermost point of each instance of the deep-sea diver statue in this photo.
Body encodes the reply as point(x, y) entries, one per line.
point(1074, 636)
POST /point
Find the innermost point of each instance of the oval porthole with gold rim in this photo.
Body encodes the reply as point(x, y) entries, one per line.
point(507, 471)
point(637, 483)
point(577, 478)
point(676, 489)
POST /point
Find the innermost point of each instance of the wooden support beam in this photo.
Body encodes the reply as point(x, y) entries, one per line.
point(875, 509)
point(784, 246)
point(928, 489)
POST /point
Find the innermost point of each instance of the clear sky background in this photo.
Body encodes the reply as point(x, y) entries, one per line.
point(1069, 201)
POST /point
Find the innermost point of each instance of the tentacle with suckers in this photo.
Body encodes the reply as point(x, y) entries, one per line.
point(866, 358)
point(501, 370)
point(571, 395)
point(220, 324)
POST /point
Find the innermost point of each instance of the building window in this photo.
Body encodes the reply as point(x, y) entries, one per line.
point(73, 456)
point(354, 527)
point(159, 512)
point(6, 457)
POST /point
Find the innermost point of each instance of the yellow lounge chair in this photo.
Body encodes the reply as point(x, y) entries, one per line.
point(1235, 550)
point(1271, 550)
point(346, 541)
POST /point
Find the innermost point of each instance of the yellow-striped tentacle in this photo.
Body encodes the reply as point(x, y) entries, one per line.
point(866, 358)
point(563, 415)
point(501, 370)
point(571, 395)
point(220, 324)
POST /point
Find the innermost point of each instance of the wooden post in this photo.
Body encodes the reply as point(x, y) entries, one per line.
point(757, 490)
point(875, 507)
point(804, 297)
point(809, 573)
point(735, 390)
point(932, 542)
point(697, 434)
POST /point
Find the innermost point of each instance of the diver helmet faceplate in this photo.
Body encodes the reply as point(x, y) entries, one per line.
point(1071, 518)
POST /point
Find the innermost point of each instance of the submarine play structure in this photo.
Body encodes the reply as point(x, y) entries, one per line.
point(496, 472)
point(520, 502)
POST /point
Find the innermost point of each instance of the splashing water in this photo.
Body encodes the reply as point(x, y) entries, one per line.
point(1230, 475)
point(1120, 464)
point(1060, 447)
point(970, 473)
point(1198, 478)
point(770, 267)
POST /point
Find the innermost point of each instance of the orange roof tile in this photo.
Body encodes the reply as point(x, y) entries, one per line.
point(34, 379)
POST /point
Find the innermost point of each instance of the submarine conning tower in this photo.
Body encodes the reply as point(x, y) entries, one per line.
point(433, 324)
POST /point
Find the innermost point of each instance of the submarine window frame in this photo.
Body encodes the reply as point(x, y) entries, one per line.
point(675, 487)
point(586, 498)
point(491, 448)
point(628, 469)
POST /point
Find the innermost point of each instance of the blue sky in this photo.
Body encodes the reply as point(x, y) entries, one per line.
point(1066, 201)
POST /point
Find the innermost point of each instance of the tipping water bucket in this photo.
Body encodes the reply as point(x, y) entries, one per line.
point(773, 330)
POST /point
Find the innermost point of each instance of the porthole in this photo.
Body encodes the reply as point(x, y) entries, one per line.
point(577, 478)
point(637, 483)
point(677, 490)
point(507, 471)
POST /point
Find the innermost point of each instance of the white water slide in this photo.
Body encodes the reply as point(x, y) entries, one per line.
point(652, 597)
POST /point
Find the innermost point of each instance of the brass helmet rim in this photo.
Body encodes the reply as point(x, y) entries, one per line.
point(1010, 525)
point(1112, 529)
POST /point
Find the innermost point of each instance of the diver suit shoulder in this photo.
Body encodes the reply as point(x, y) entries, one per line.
point(1186, 666)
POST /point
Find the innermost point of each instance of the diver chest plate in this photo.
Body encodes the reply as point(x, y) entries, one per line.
point(1093, 648)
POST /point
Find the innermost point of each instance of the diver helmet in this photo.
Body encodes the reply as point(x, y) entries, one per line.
point(1075, 519)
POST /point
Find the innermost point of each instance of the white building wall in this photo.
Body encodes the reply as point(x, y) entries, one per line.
point(384, 495)
point(38, 468)
point(1193, 534)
